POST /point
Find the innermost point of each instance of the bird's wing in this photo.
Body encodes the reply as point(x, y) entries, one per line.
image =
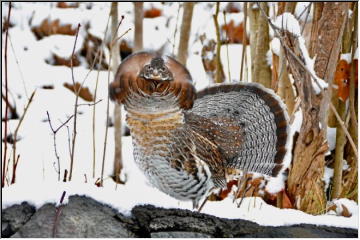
point(198, 152)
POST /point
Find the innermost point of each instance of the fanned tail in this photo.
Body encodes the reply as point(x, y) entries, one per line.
point(263, 120)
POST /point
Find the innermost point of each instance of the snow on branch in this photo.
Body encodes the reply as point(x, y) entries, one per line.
point(287, 22)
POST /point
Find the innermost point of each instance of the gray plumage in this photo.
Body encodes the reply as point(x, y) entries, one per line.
point(186, 142)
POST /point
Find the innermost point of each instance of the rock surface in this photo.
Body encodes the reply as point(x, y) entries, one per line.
point(85, 217)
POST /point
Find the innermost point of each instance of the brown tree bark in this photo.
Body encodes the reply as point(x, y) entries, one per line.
point(261, 70)
point(118, 163)
point(305, 184)
point(328, 46)
point(285, 89)
point(318, 7)
point(138, 33)
point(254, 14)
point(219, 74)
point(337, 181)
point(350, 178)
point(346, 48)
point(185, 32)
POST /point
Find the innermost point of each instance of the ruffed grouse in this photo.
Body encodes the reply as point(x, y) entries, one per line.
point(186, 142)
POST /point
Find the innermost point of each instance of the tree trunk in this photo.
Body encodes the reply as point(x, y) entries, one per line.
point(118, 164)
point(262, 71)
point(318, 7)
point(328, 46)
point(339, 153)
point(341, 109)
point(285, 88)
point(254, 14)
point(138, 33)
point(346, 48)
point(185, 32)
point(219, 74)
point(350, 179)
point(305, 183)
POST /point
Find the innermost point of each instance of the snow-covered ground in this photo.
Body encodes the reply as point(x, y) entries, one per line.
point(37, 178)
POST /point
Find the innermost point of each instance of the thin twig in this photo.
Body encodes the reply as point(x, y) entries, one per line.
point(6, 97)
point(351, 141)
point(20, 71)
point(75, 106)
point(288, 49)
point(95, 94)
point(15, 136)
point(203, 203)
point(306, 18)
point(12, 109)
point(57, 215)
point(243, 196)
point(114, 41)
point(218, 46)
point(90, 104)
point(54, 131)
point(227, 47)
point(118, 38)
point(244, 43)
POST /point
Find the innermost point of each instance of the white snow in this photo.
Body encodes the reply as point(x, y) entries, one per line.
point(288, 22)
point(36, 180)
point(301, 11)
point(331, 138)
point(346, 57)
point(275, 46)
point(60, 45)
point(269, 55)
point(356, 55)
point(349, 204)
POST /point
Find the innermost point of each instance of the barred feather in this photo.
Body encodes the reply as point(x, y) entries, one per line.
point(261, 115)
point(185, 146)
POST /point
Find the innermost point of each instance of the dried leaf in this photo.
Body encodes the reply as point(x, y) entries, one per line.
point(342, 77)
point(234, 32)
point(286, 203)
point(67, 5)
point(84, 91)
point(345, 212)
point(152, 13)
point(47, 28)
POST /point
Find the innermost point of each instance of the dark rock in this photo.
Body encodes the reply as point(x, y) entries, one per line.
point(161, 222)
point(15, 217)
point(179, 235)
point(85, 217)
point(40, 224)
point(81, 217)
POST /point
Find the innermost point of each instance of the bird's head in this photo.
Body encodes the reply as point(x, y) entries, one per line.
point(150, 74)
point(156, 70)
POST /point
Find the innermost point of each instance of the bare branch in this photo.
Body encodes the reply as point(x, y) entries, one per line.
point(277, 34)
point(15, 136)
point(227, 47)
point(95, 94)
point(6, 97)
point(351, 141)
point(54, 131)
point(114, 40)
point(219, 74)
point(90, 104)
point(244, 42)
